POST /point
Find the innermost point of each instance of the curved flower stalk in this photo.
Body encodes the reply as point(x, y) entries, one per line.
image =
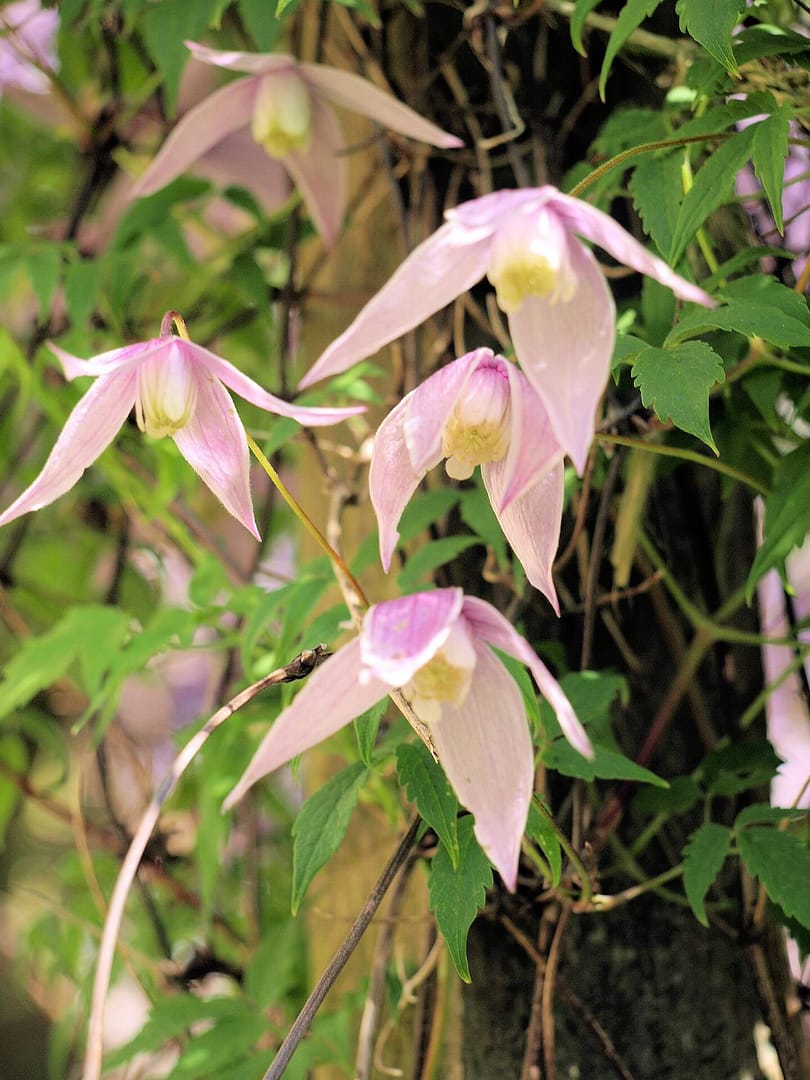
point(27, 45)
point(478, 410)
point(435, 646)
point(278, 121)
point(177, 388)
point(561, 312)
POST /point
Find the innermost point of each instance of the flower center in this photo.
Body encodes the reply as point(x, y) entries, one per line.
point(167, 394)
point(282, 114)
point(478, 428)
point(445, 677)
point(531, 258)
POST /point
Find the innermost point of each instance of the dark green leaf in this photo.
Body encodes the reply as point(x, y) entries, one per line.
point(765, 814)
point(787, 514)
point(426, 785)
point(757, 306)
point(625, 351)
point(582, 10)
point(540, 829)
point(704, 855)
point(656, 187)
point(782, 864)
point(738, 766)
point(321, 825)
point(428, 558)
point(711, 25)
point(630, 18)
point(676, 383)
point(457, 895)
point(605, 765)
point(770, 151)
point(366, 728)
point(681, 796)
point(166, 26)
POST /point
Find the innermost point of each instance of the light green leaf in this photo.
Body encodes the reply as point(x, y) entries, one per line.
point(260, 23)
point(770, 151)
point(781, 861)
point(605, 765)
point(656, 187)
point(44, 265)
point(426, 508)
point(478, 515)
point(711, 25)
point(14, 754)
point(82, 280)
point(676, 383)
point(166, 26)
point(321, 825)
point(704, 854)
point(582, 9)
point(787, 514)
point(426, 785)
point(630, 18)
point(430, 557)
point(366, 728)
point(457, 895)
point(757, 306)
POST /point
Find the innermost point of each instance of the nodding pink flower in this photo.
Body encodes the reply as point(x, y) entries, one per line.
point(177, 388)
point(436, 647)
point(27, 45)
point(478, 410)
point(279, 120)
point(561, 312)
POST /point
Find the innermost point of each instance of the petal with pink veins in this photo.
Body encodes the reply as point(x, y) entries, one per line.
point(320, 173)
point(331, 696)
point(565, 348)
point(252, 63)
point(486, 750)
point(114, 360)
point(434, 274)
point(90, 428)
point(400, 636)
point(353, 92)
point(533, 447)
point(392, 479)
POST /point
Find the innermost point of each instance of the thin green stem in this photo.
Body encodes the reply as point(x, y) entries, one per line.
point(758, 703)
point(685, 455)
point(607, 903)
point(565, 844)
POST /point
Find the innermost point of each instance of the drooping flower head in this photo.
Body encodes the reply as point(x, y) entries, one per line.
point(27, 45)
point(561, 312)
point(478, 410)
point(279, 119)
point(436, 647)
point(178, 389)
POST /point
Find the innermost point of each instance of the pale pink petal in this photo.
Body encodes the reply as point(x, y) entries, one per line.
point(252, 63)
point(445, 265)
point(358, 94)
point(329, 699)
point(486, 750)
point(565, 348)
point(487, 213)
point(214, 444)
point(320, 173)
point(89, 429)
point(533, 446)
point(601, 229)
point(392, 479)
point(400, 636)
point(531, 523)
point(239, 160)
point(246, 388)
point(489, 624)
point(431, 404)
point(219, 115)
point(114, 360)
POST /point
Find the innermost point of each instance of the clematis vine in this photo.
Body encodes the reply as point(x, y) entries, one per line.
point(561, 312)
point(27, 45)
point(279, 120)
point(436, 647)
point(178, 389)
point(478, 410)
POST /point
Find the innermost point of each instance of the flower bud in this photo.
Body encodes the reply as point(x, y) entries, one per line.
point(167, 393)
point(478, 428)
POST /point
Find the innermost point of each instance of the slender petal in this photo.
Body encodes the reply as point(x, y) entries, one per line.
point(331, 696)
point(246, 388)
point(358, 94)
point(89, 429)
point(434, 274)
point(392, 479)
point(400, 636)
point(114, 360)
point(219, 115)
point(238, 159)
point(490, 625)
point(531, 522)
point(533, 447)
point(565, 350)
point(252, 63)
point(320, 173)
point(486, 750)
point(431, 404)
point(600, 228)
point(214, 444)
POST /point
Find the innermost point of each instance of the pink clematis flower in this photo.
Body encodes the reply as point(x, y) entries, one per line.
point(279, 121)
point(478, 410)
point(435, 646)
point(27, 45)
point(561, 311)
point(177, 389)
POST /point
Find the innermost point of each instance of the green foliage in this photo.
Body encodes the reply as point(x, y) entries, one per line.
point(426, 785)
point(630, 18)
point(781, 861)
point(704, 855)
point(540, 829)
point(711, 25)
point(787, 513)
point(457, 893)
point(676, 383)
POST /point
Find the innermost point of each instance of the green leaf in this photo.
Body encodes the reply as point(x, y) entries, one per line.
point(757, 306)
point(426, 508)
point(770, 151)
point(765, 814)
point(605, 765)
point(14, 754)
point(582, 9)
point(787, 514)
point(426, 785)
point(541, 830)
point(704, 854)
point(711, 25)
point(630, 18)
point(457, 895)
point(625, 350)
point(781, 861)
point(738, 766)
point(166, 26)
point(321, 825)
point(82, 280)
point(170, 1018)
point(478, 515)
point(260, 23)
point(275, 967)
point(656, 187)
point(44, 265)
point(366, 728)
point(430, 557)
point(676, 383)
point(681, 796)
point(713, 186)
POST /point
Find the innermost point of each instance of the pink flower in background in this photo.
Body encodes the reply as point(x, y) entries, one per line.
point(478, 410)
point(561, 312)
point(436, 647)
point(177, 388)
point(27, 45)
point(279, 121)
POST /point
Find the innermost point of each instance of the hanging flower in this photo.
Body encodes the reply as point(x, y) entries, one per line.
point(478, 410)
point(436, 647)
point(177, 388)
point(27, 45)
point(279, 120)
point(561, 312)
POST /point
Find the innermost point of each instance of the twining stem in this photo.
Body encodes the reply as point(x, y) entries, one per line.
point(636, 151)
point(684, 455)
